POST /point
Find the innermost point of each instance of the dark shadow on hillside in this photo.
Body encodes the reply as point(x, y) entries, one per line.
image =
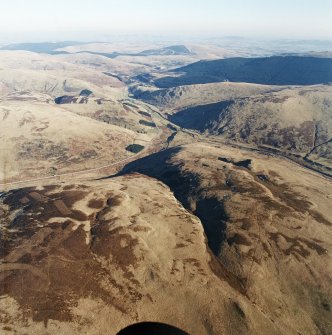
point(186, 188)
point(277, 70)
point(214, 220)
point(199, 117)
point(158, 166)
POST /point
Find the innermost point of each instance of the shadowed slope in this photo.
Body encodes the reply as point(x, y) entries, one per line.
point(288, 70)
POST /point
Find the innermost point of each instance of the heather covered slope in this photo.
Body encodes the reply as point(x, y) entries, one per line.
point(277, 70)
point(128, 251)
point(98, 256)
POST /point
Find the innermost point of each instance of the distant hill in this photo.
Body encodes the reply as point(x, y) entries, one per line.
point(43, 47)
point(277, 70)
point(174, 50)
point(52, 48)
point(167, 51)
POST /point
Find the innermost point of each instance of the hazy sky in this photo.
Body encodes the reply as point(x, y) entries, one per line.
point(82, 19)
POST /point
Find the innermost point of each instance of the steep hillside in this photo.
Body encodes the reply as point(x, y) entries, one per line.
point(268, 223)
point(296, 120)
point(277, 70)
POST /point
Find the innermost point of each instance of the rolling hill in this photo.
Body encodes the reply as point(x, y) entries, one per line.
point(27, 71)
point(39, 138)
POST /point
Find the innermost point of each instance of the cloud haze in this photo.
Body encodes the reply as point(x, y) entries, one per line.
point(84, 20)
